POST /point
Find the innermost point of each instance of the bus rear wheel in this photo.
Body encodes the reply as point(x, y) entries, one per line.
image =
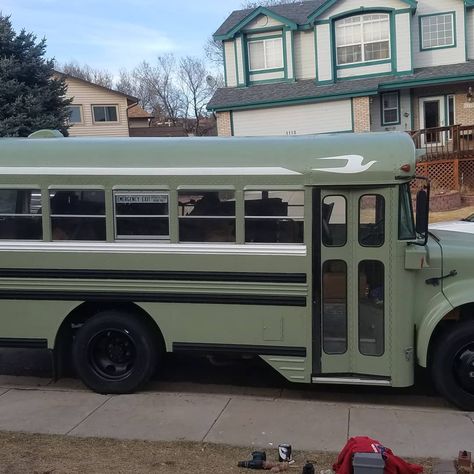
point(115, 352)
point(452, 366)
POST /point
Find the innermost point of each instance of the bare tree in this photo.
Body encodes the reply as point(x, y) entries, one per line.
point(160, 83)
point(214, 51)
point(266, 3)
point(196, 90)
point(100, 77)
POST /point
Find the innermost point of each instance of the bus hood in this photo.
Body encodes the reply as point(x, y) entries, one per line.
point(453, 230)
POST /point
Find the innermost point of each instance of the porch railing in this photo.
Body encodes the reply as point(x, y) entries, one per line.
point(445, 143)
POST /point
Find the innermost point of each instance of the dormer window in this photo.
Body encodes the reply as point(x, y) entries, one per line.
point(363, 38)
point(265, 54)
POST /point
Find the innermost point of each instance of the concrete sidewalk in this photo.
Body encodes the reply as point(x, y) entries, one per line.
point(264, 418)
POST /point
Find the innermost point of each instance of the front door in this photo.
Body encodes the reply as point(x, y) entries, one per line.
point(352, 310)
point(432, 115)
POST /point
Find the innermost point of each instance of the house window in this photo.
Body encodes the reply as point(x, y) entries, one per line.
point(266, 54)
point(390, 108)
point(437, 31)
point(75, 114)
point(363, 38)
point(105, 113)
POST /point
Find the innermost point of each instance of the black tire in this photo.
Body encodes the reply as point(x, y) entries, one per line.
point(115, 352)
point(452, 365)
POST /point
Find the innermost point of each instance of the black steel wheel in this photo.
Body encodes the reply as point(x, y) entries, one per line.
point(115, 352)
point(452, 365)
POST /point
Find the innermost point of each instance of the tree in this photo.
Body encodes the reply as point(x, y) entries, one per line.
point(101, 77)
point(31, 98)
point(265, 3)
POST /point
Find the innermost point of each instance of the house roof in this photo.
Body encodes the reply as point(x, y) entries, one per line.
point(137, 112)
point(301, 13)
point(66, 76)
point(287, 93)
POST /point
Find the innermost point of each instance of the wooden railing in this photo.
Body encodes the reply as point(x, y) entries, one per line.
point(445, 143)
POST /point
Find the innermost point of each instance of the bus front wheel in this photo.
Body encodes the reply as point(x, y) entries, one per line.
point(115, 352)
point(452, 365)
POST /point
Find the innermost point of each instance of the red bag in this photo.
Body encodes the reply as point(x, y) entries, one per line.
point(363, 444)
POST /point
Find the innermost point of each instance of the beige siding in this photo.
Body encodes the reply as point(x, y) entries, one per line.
point(262, 21)
point(267, 76)
point(403, 34)
point(441, 56)
point(363, 70)
point(305, 57)
point(289, 54)
point(323, 43)
point(348, 5)
point(229, 51)
point(86, 95)
point(240, 60)
point(307, 119)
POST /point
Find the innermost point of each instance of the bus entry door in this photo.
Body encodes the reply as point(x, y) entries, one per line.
point(353, 308)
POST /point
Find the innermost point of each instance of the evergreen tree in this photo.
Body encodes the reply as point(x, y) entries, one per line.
point(30, 97)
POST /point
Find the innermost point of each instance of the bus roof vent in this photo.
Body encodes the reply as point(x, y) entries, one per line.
point(46, 133)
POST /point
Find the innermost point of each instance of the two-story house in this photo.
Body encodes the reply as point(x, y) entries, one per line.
point(347, 65)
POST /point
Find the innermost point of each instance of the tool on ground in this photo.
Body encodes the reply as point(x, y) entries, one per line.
point(284, 452)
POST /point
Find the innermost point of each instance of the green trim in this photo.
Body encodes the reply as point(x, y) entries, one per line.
point(269, 29)
point(232, 132)
point(270, 81)
point(387, 124)
point(393, 43)
point(260, 38)
point(420, 31)
point(419, 82)
point(466, 54)
point(292, 44)
point(255, 13)
point(330, 3)
point(285, 56)
point(266, 71)
point(401, 11)
point(316, 67)
point(352, 114)
point(225, 65)
point(299, 101)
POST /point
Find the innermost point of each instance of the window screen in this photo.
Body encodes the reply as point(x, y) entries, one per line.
point(20, 214)
point(274, 216)
point(437, 31)
point(206, 216)
point(77, 214)
point(141, 215)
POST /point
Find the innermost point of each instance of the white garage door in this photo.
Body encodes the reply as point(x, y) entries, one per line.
point(322, 117)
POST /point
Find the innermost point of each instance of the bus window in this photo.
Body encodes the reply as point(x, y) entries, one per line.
point(334, 307)
point(371, 220)
point(77, 215)
point(406, 223)
point(20, 214)
point(141, 215)
point(371, 307)
point(274, 216)
point(206, 216)
point(334, 221)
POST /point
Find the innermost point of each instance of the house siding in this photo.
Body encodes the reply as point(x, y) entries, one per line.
point(470, 33)
point(269, 76)
point(231, 73)
point(263, 21)
point(324, 53)
point(403, 42)
point(86, 95)
point(364, 70)
point(240, 60)
point(441, 56)
point(324, 117)
point(305, 56)
point(289, 54)
point(376, 114)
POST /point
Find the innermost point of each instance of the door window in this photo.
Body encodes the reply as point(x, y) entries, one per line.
point(371, 220)
point(334, 221)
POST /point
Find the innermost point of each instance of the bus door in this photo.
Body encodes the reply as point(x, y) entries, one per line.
point(351, 303)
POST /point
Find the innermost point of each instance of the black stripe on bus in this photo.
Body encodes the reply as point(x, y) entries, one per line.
point(153, 275)
point(149, 297)
point(23, 343)
point(239, 349)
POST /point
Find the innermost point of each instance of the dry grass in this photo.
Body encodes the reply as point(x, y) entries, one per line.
point(52, 454)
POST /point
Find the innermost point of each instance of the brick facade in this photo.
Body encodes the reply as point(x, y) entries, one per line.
point(224, 124)
point(361, 114)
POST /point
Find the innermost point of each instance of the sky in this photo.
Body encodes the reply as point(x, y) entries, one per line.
point(119, 34)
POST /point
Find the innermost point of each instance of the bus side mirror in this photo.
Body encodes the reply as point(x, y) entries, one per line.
point(422, 212)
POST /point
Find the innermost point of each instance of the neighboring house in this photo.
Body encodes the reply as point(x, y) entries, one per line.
point(347, 65)
point(138, 117)
point(97, 110)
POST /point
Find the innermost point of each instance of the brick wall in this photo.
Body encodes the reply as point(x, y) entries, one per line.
point(224, 127)
point(361, 114)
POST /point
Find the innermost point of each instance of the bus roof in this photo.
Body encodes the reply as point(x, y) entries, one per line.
point(334, 159)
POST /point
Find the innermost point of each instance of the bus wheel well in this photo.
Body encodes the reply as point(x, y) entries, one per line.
point(78, 316)
point(449, 321)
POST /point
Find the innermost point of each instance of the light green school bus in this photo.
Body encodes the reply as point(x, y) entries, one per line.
point(300, 250)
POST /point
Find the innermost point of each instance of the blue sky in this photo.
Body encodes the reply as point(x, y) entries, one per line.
point(115, 34)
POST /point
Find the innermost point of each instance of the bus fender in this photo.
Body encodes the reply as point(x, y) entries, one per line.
point(438, 308)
